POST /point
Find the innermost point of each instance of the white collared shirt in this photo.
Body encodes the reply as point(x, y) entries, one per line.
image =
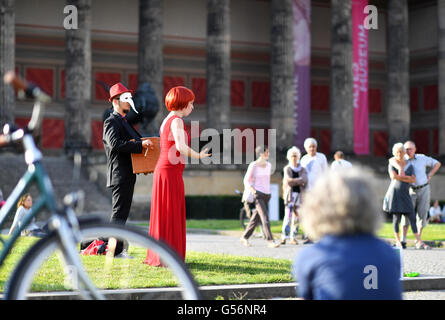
point(420, 163)
point(314, 166)
point(340, 164)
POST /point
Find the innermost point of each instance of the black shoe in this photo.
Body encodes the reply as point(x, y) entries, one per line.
point(124, 255)
point(403, 245)
point(307, 241)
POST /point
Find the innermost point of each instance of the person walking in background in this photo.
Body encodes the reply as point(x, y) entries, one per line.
point(314, 162)
point(435, 212)
point(167, 213)
point(420, 190)
point(316, 165)
point(294, 182)
point(348, 262)
point(340, 162)
point(397, 200)
point(257, 181)
point(23, 210)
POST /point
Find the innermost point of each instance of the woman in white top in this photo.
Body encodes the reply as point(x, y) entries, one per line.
point(435, 212)
point(257, 182)
point(23, 209)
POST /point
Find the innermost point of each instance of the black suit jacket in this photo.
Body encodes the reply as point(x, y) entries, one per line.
point(118, 148)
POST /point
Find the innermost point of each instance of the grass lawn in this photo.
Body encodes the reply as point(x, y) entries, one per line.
point(434, 231)
point(207, 269)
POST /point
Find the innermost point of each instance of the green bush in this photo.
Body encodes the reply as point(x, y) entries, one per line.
point(216, 207)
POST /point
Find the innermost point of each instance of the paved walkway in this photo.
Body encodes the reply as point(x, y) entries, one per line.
point(426, 262)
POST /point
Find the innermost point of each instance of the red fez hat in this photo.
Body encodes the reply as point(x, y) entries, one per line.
point(118, 89)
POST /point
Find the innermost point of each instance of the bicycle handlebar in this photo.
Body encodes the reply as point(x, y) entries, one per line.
point(29, 90)
point(13, 79)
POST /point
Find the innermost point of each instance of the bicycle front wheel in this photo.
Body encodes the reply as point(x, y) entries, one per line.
point(43, 271)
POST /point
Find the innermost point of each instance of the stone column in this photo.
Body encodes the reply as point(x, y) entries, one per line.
point(150, 54)
point(218, 69)
point(341, 91)
point(78, 81)
point(441, 73)
point(7, 59)
point(398, 109)
point(282, 74)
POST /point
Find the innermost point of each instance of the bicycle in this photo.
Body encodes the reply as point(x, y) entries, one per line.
point(83, 276)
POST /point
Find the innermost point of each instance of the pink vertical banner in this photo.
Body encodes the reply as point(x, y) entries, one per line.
point(360, 77)
point(302, 70)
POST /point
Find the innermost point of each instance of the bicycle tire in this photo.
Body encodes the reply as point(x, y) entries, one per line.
point(43, 251)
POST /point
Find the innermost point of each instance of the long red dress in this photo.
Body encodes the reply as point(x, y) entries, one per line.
point(167, 213)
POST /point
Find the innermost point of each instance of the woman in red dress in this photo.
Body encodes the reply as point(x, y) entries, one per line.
point(167, 214)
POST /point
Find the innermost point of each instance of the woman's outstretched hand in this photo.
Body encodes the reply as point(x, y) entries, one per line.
point(204, 153)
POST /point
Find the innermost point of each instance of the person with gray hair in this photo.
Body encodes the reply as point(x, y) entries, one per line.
point(349, 262)
point(397, 200)
point(420, 190)
point(294, 182)
point(314, 162)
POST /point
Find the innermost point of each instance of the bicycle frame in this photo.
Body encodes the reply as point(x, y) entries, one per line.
point(63, 219)
point(35, 174)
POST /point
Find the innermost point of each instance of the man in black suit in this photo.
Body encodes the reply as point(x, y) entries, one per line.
point(120, 140)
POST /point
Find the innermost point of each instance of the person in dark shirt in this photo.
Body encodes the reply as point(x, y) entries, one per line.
point(348, 262)
point(294, 182)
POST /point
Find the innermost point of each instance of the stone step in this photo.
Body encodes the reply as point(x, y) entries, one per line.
point(60, 171)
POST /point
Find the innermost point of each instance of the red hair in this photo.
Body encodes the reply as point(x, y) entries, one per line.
point(178, 98)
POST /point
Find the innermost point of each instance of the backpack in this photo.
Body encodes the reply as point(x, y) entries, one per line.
point(96, 247)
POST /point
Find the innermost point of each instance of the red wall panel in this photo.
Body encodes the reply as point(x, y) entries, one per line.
point(375, 100)
point(53, 133)
point(325, 141)
point(260, 94)
point(133, 81)
point(199, 88)
point(42, 77)
point(109, 78)
point(170, 82)
point(96, 134)
point(237, 93)
point(430, 97)
point(380, 143)
point(422, 140)
point(320, 97)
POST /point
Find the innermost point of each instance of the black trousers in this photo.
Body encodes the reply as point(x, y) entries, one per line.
point(122, 196)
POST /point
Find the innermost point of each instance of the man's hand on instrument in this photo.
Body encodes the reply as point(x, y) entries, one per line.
point(147, 144)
